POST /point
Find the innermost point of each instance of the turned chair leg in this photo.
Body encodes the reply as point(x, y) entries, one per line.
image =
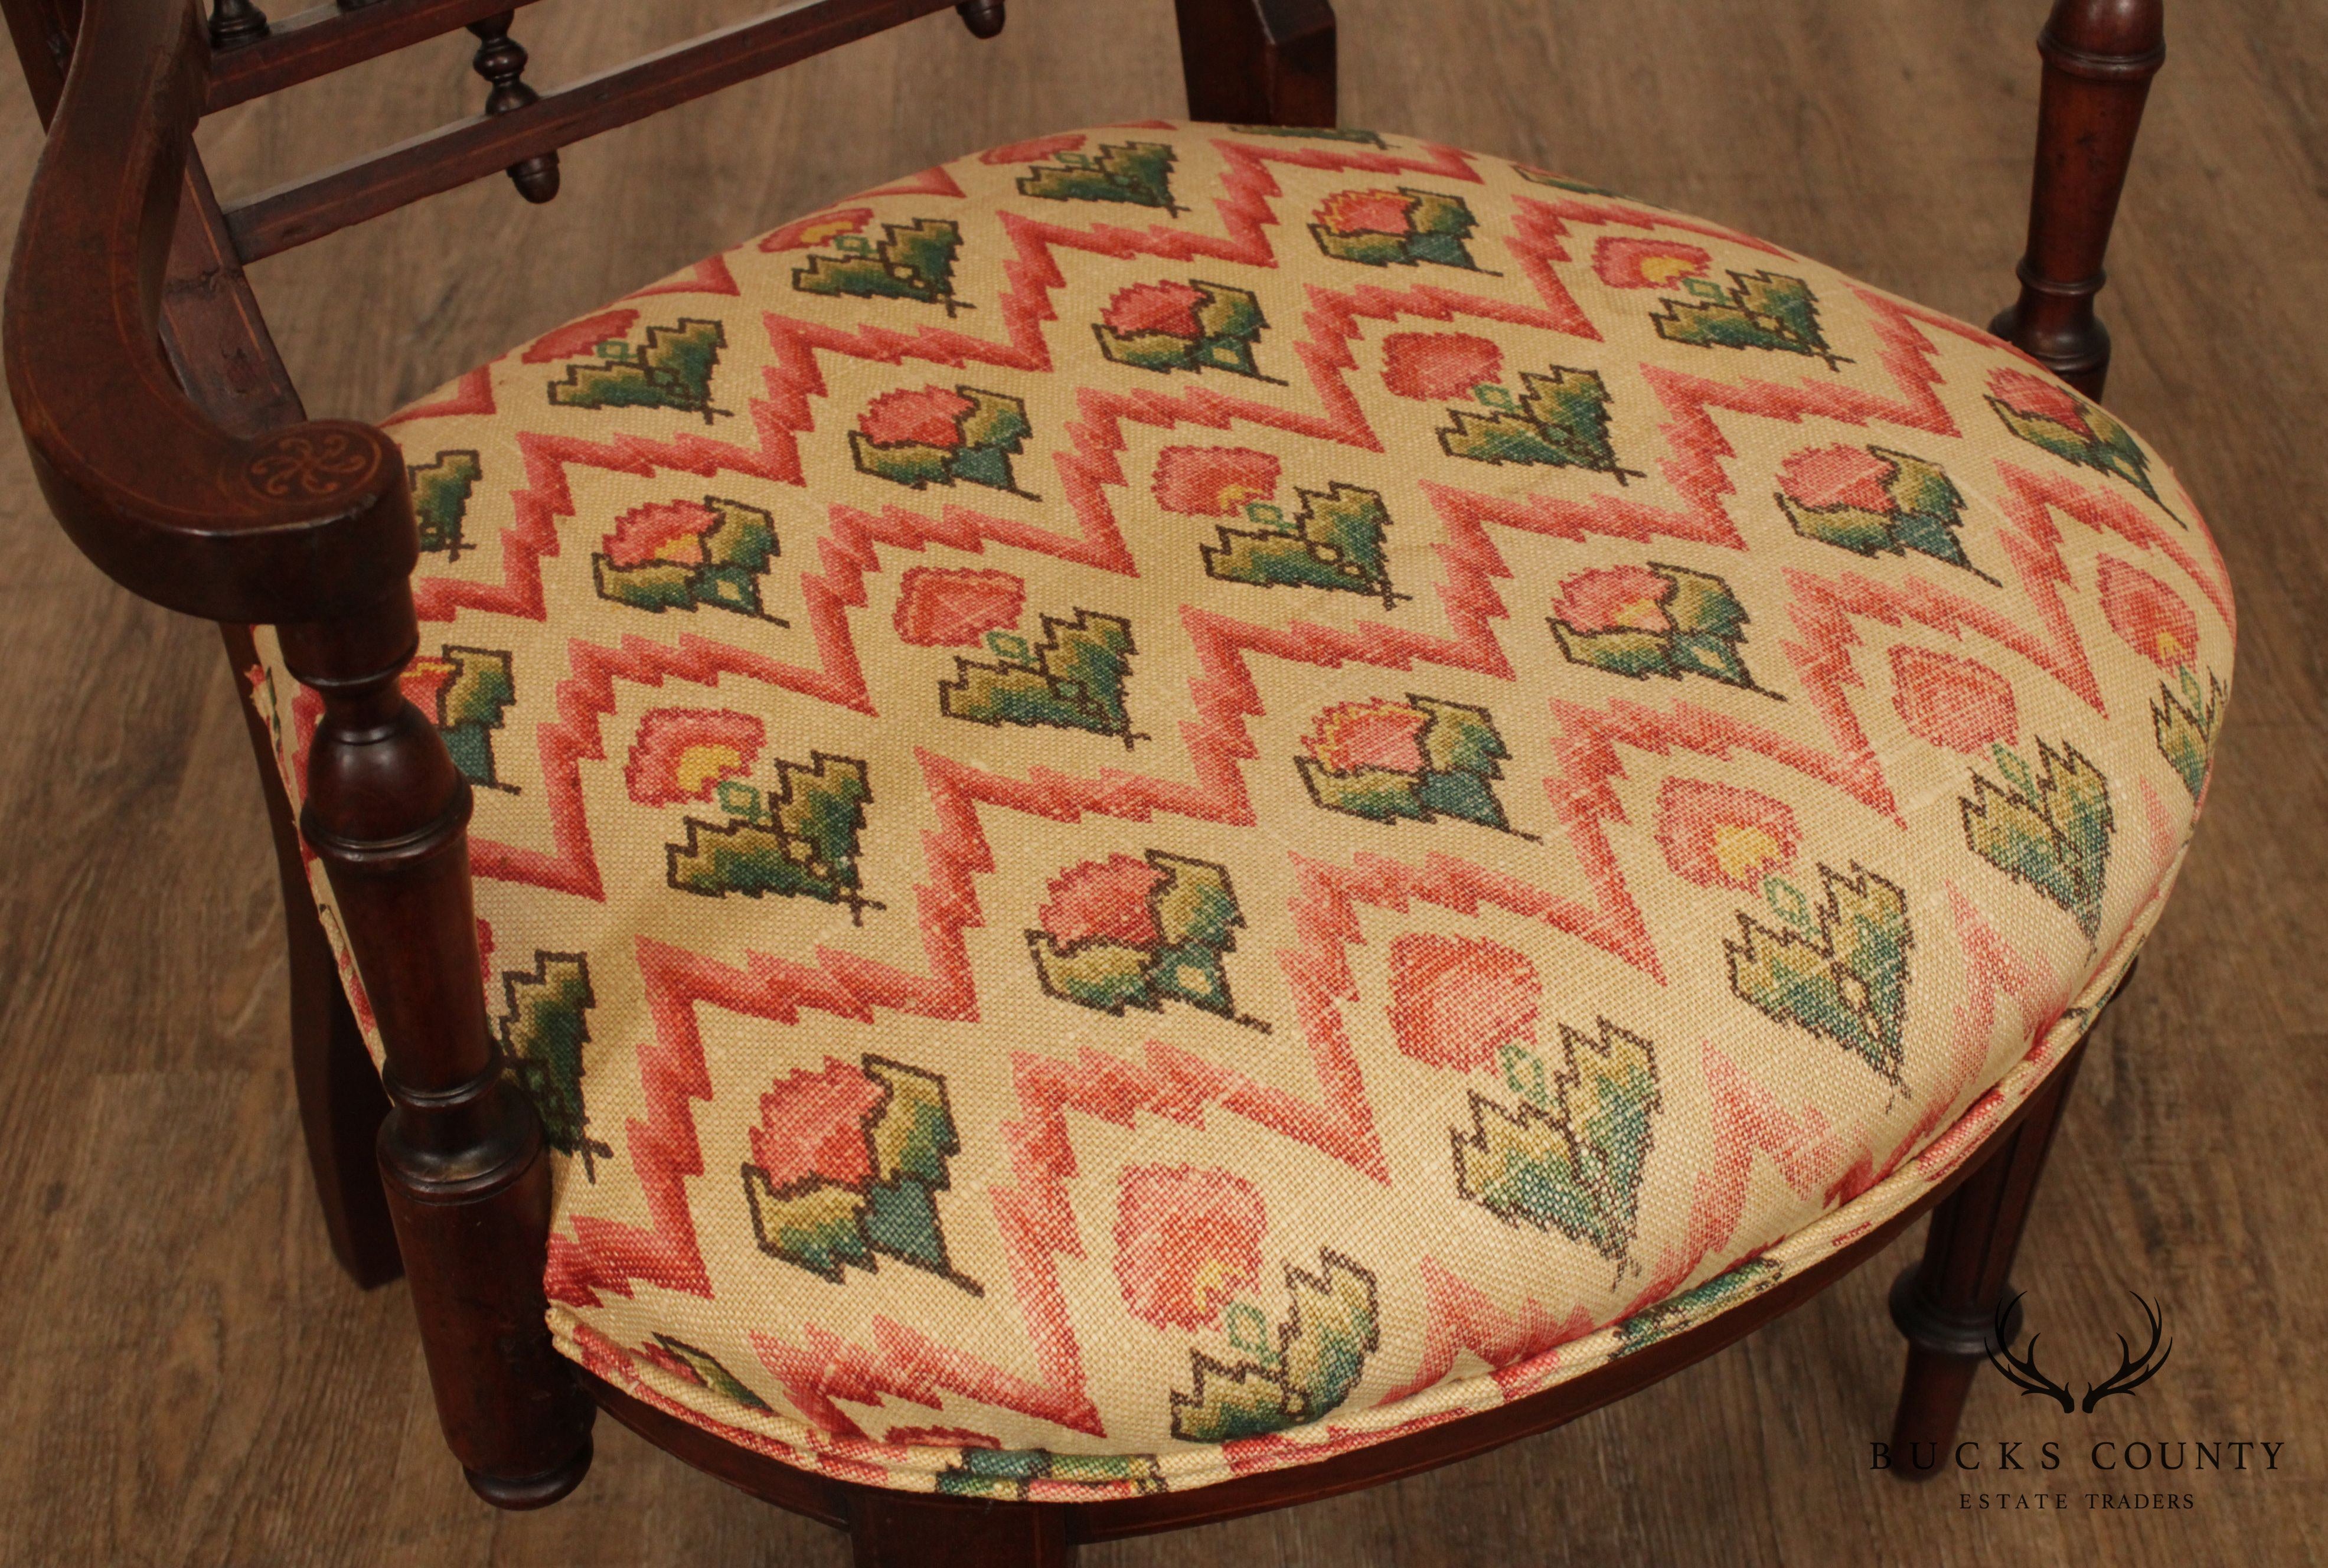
point(341, 1104)
point(1947, 1305)
point(902, 1530)
point(2099, 57)
point(461, 1149)
point(341, 1101)
point(1258, 62)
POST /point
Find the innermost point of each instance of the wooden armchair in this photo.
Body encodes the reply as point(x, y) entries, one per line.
point(176, 455)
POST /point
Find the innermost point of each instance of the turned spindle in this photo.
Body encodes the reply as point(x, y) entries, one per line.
point(984, 18)
point(2099, 57)
point(501, 61)
point(461, 1150)
point(234, 21)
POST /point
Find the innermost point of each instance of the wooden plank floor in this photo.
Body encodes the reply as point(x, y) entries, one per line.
point(185, 1379)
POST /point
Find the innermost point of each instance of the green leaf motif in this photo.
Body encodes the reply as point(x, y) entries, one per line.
point(1314, 134)
point(804, 847)
point(708, 1372)
point(1575, 1167)
point(1015, 1475)
point(1321, 1350)
point(1439, 230)
point(1335, 541)
point(465, 692)
point(1707, 636)
point(672, 370)
point(1197, 917)
point(1072, 679)
point(1229, 324)
point(737, 547)
point(992, 432)
point(440, 499)
point(912, 261)
point(2105, 445)
point(825, 1226)
point(1139, 172)
point(1929, 508)
point(2185, 727)
point(1847, 982)
point(2049, 827)
point(1695, 1305)
point(1560, 421)
point(1461, 755)
point(544, 1035)
point(1760, 310)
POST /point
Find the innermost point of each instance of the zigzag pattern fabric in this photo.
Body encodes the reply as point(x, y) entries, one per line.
point(1177, 798)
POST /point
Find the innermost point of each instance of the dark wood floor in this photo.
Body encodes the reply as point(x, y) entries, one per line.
point(185, 1379)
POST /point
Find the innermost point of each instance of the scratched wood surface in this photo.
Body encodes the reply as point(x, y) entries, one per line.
point(185, 1379)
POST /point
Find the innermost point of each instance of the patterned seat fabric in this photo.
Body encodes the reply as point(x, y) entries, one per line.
point(1178, 797)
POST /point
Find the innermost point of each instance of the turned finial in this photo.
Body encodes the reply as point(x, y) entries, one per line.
point(501, 61)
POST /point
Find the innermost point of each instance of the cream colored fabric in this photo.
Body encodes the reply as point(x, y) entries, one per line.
point(1178, 797)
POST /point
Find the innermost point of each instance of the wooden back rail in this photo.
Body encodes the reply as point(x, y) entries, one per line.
point(173, 450)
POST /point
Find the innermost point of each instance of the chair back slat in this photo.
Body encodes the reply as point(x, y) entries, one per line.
point(328, 37)
point(440, 160)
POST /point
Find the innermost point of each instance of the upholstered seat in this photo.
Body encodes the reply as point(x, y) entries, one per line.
point(1176, 797)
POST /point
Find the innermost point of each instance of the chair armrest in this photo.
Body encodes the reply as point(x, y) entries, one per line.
point(303, 524)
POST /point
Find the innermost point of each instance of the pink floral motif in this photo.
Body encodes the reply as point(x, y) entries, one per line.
point(1456, 1001)
point(1627, 263)
point(1147, 307)
point(2151, 616)
point(1187, 1241)
point(925, 418)
point(665, 531)
point(938, 608)
point(1723, 835)
point(1213, 481)
point(1035, 150)
point(424, 680)
point(2025, 394)
point(817, 228)
point(1613, 599)
point(1825, 476)
point(1350, 735)
point(1104, 898)
point(813, 1126)
point(581, 337)
point(1367, 212)
point(681, 754)
point(1961, 704)
point(1435, 366)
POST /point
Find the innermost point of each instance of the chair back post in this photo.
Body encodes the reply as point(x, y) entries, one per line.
point(461, 1151)
point(309, 527)
point(1266, 62)
point(2099, 57)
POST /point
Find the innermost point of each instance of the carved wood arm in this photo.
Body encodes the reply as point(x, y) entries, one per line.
point(303, 524)
point(308, 527)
